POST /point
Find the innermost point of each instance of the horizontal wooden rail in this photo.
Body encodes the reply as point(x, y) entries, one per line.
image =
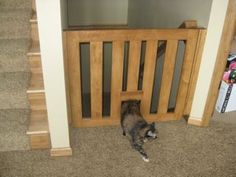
point(131, 95)
point(129, 34)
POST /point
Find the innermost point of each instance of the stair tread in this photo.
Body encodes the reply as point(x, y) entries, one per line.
point(14, 23)
point(14, 141)
point(18, 64)
point(13, 48)
point(11, 99)
point(13, 4)
point(38, 123)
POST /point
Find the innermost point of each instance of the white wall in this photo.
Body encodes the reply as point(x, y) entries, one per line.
point(50, 35)
point(215, 27)
point(97, 12)
point(167, 13)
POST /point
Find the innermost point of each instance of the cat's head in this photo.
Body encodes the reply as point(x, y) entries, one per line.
point(151, 131)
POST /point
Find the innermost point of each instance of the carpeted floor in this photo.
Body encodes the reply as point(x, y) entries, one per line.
point(180, 151)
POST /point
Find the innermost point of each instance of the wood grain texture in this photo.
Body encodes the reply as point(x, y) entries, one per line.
point(131, 95)
point(186, 73)
point(111, 121)
point(134, 64)
point(74, 74)
point(58, 152)
point(116, 77)
point(131, 34)
point(195, 70)
point(167, 76)
point(96, 79)
point(223, 51)
point(148, 78)
point(40, 141)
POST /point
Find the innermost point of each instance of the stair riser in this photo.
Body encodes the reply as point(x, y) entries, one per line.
point(35, 61)
point(40, 141)
point(14, 81)
point(34, 33)
point(37, 101)
point(33, 5)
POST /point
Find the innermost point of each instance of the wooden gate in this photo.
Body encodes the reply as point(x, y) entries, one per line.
point(118, 37)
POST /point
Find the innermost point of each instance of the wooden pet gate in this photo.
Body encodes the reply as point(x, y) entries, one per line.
point(193, 39)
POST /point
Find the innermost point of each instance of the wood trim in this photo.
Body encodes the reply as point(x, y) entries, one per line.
point(194, 121)
point(186, 74)
point(57, 152)
point(129, 34)
point(223, 51)
point(114, 121)
point(131, 95)
point(74, 69)
point(66, 68)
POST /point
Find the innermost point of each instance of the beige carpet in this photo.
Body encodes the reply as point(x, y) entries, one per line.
point(180, 151)
point(14, 74)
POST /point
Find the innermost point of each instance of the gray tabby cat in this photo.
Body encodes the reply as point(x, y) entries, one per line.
point(135, 127)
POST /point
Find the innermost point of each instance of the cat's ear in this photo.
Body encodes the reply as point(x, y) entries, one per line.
point(138, 102)
point(154, 125)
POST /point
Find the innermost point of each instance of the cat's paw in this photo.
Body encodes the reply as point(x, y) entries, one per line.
point(145, 159)
point(145, 140)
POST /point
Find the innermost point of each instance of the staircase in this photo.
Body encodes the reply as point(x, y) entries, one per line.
point(23, 123)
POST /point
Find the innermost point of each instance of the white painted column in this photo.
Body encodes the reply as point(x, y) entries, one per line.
point(50, 34)
point(213, 37)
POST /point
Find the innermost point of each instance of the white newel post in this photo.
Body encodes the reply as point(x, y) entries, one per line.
point(50, 35)
point(212, 42)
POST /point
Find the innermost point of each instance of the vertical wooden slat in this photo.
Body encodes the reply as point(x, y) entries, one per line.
point(134, 62)
point(167, 76)
point(148, 79)
point(185, 73)
point(73, 57)
point(116, 78)
point(96, 79)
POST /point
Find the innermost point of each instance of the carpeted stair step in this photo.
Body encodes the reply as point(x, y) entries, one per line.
point(14, 24)
point(14, 120)
point(14, 73)
point(13, 99)
point(14, 67)
point(14, 112)
point(14, 141)
point(15, 4)
point(14, 80)
point(13, 48)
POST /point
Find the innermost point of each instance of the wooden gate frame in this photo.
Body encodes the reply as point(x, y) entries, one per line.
point(194, 41)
